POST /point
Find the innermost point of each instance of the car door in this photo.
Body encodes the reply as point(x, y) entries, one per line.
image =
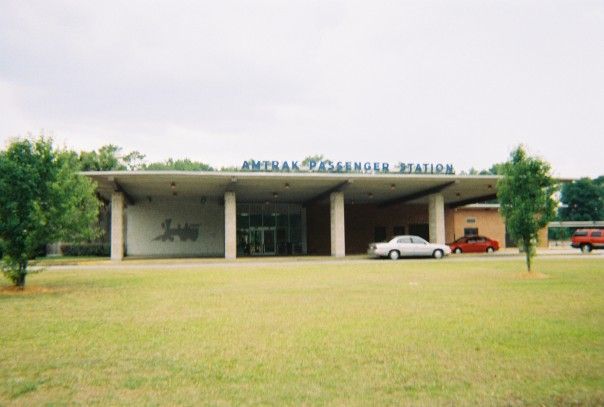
point(481, 244)
point(404, 246)
point(470, 245)
point(461, 242)
point(421, 247)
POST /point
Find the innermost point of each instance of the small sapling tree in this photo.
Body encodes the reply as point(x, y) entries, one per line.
point(525, 195)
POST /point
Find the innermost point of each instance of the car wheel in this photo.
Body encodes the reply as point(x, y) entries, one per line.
point(586, 248)
point(457, 251)
point(490, 249)
point(438, 254)
point(394, 254)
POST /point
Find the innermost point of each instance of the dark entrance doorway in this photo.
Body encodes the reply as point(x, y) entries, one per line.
point(420, 229)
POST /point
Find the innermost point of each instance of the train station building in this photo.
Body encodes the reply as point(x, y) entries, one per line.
point(276, 211)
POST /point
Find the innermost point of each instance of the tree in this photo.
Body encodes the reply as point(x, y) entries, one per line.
point(525, 195)
point(583, 200)
point(316, 158)
point(109, 158)
point(106, 159)
point(134, 160)
point(494, 170)
point(178, 165)
point(43, 199)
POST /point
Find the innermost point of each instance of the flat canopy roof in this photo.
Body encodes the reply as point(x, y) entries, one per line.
point(298, 187)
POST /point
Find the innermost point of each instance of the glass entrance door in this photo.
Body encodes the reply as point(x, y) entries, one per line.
point(269, 240)
point(270, 229)
point(256, 245)
point(262, 241)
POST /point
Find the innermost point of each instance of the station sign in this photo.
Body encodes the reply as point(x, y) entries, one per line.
point(372, 167)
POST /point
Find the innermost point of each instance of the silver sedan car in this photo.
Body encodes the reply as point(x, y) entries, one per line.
point(408, 246)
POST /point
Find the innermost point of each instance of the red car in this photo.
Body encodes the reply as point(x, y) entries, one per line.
point(588, 239)
point(474, 244)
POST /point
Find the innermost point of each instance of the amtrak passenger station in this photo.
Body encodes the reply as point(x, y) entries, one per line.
point(282, 208)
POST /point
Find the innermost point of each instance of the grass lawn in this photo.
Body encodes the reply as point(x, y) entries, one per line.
point(469, 332)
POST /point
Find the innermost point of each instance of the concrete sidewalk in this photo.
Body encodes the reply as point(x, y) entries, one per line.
point(167, 263)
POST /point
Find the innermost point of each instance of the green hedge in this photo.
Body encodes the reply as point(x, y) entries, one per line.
point(86, 249)
point(40, 252)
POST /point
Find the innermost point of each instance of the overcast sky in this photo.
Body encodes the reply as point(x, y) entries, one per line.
point(222, 81)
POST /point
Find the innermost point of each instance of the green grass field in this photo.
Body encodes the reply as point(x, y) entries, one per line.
point(420, 332)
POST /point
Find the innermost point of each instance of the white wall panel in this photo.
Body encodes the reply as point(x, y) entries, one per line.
point(204, 236)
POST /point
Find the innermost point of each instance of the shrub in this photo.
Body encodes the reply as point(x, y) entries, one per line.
point(86, 249)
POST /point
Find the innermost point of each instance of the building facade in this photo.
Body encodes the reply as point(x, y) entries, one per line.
point(219, 214)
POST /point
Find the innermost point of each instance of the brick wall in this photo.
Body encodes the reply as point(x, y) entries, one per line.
point(487, 220)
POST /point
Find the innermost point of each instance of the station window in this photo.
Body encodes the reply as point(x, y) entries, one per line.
point(470, 231)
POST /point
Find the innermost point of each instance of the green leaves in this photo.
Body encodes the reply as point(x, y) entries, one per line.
point(525, 194)
point(42, 199)
point(583, 199)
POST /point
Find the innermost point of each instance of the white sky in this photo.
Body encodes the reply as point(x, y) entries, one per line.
point(223, 81)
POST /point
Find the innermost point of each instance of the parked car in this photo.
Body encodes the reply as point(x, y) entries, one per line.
point(588, 239)
point(474, 244)
point(408, 246)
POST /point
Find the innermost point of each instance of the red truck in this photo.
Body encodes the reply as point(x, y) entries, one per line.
point(588, 239)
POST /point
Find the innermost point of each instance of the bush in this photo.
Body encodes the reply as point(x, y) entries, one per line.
point(86, 249)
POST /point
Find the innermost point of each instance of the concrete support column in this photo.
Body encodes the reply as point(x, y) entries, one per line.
point(336, 210)
point(117, 226)
point(436, 216)
point(230, 225)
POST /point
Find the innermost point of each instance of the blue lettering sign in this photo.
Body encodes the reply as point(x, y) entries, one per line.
point(347, 167)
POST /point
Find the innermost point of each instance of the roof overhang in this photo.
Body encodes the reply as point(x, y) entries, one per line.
point(294, 187)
